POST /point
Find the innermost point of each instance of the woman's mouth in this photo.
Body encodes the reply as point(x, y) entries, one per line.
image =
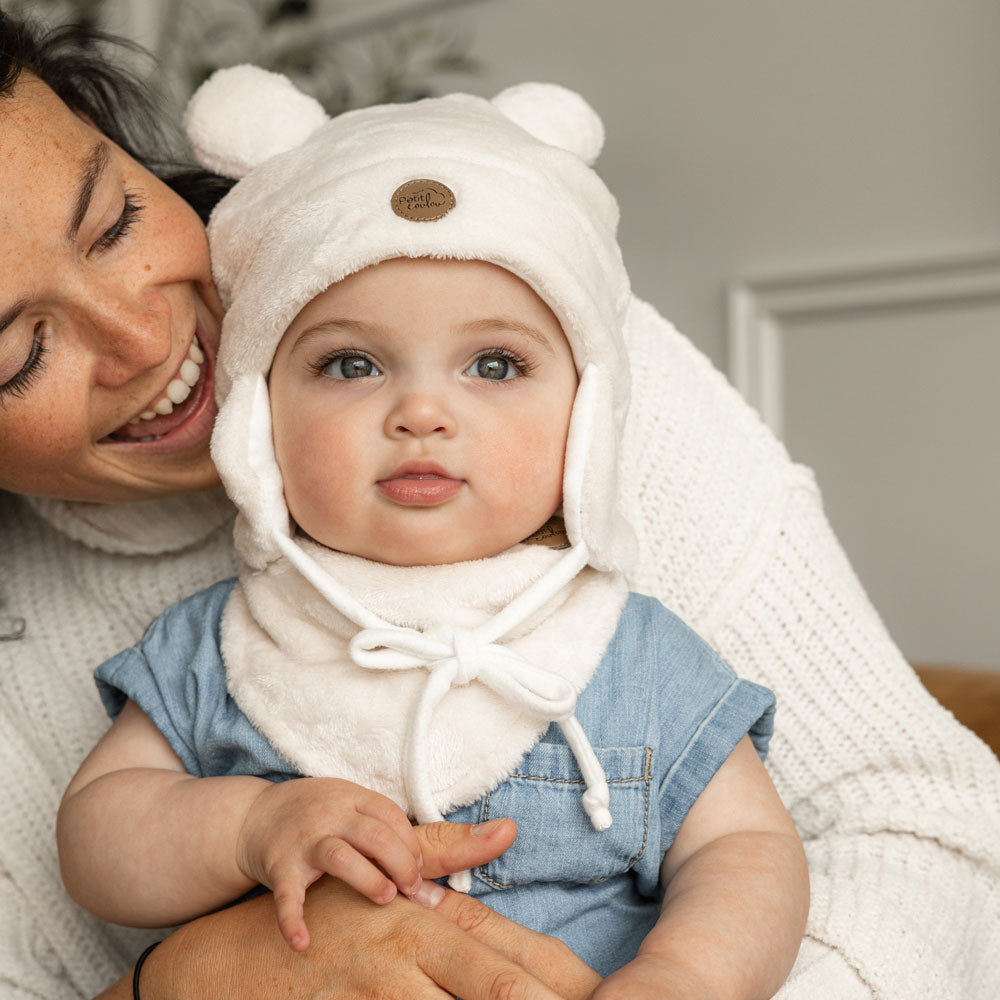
point(178, 389)
point(182, 396)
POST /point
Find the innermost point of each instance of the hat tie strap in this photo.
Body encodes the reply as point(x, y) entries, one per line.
point(455, 657)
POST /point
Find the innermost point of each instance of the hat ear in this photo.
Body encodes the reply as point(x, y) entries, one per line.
point(242, 116)
point(556, 115)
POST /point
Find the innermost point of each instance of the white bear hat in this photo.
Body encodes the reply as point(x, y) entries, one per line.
point(505, 181)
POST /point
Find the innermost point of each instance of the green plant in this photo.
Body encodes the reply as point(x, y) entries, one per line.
point(337, 50)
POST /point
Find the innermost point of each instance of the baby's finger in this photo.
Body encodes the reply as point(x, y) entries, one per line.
point(379, 842)
point(383, 809)
point(338, 858)
point(289, 896)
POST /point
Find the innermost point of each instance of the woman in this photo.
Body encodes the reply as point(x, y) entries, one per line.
point(104, 288)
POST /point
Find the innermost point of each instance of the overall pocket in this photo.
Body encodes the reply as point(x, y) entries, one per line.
point(555, 839)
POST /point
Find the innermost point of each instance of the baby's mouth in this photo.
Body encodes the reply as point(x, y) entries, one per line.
point(180, 397)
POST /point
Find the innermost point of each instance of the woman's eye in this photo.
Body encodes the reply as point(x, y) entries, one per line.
point(18, 383)
point(350, 366)
point(130, 214)
point(494, 367)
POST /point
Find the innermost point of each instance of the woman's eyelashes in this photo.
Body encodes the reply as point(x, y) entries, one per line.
point(17, 385)
point(130, 214)
point(30, 370)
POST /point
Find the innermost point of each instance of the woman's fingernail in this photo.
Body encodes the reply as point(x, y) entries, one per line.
point(485, 829)
point(429, 895)
point(415, 888)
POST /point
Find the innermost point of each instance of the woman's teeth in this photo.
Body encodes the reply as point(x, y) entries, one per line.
point(179, 388)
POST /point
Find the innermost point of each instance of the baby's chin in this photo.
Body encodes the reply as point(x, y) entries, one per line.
point(420, 555)
point(417, 558)
point(437, 542)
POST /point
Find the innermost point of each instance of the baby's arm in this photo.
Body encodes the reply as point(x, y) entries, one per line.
point(737, 897)
point(143, 843)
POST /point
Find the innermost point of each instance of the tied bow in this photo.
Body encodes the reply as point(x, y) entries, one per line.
point(457, 657)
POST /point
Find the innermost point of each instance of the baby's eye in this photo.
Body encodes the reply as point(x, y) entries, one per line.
point(350, 366)
point(494, 367)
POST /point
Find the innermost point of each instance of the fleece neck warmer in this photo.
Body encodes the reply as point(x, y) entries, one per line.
point(334, 700)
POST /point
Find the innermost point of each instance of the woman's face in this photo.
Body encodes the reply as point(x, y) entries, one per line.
point(105, 296)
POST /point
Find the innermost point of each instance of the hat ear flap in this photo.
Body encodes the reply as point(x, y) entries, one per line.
point(556, 115)
point(242, 116)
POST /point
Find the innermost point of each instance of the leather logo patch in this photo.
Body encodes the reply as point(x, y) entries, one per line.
point(422, 200)
point(552, 534)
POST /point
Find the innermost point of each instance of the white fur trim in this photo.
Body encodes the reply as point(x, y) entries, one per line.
point(289, 666)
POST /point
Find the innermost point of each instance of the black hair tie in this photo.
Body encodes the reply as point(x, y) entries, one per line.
point(138, 969)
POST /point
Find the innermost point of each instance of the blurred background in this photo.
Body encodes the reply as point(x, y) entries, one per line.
point(810, 190)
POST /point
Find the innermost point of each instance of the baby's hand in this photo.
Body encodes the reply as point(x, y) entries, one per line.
point(297, 830)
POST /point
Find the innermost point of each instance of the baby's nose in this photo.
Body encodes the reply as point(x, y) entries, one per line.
point(420, 414)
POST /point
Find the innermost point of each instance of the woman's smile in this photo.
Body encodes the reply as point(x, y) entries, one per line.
point(183, 404)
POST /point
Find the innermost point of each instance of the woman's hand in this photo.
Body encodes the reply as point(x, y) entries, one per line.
point(547, 958)
point(360, 951)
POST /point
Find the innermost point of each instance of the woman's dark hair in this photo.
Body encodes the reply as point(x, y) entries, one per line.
point(76, 62)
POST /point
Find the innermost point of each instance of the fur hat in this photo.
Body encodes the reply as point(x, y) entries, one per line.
point(505, 181)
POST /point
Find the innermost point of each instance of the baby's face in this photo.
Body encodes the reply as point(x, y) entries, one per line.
point(420, 412)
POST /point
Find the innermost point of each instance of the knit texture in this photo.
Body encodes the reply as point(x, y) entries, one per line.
point(81, 605)
point(899, 805)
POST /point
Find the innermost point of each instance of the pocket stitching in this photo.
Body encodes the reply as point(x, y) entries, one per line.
point(645, 778)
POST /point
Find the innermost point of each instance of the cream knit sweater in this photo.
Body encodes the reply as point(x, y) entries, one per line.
point(898, 805)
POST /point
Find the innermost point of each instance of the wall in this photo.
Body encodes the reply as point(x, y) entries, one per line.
point(785, 142)
point(784, 137)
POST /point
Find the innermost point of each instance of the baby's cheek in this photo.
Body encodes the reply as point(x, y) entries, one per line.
point(323, 486)
point(535, 470)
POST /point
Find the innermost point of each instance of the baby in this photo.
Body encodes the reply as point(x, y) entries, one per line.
point(422, 386)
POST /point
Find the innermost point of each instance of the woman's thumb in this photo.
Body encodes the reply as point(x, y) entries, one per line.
point(454, 847)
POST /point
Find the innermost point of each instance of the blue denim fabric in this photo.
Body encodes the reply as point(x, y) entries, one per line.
point(662, 711)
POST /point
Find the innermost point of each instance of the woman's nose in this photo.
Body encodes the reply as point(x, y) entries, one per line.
point(420, 415)
point(130, 335)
